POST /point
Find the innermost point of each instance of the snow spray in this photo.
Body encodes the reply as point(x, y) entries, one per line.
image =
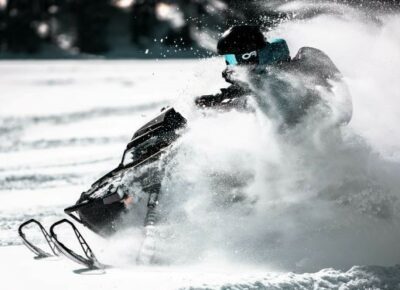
point(239, 192)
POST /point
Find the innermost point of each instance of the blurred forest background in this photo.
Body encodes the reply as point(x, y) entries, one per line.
point(134, 28)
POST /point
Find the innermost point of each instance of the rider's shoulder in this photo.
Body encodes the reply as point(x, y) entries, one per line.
point(276, 51)
point(314, 59)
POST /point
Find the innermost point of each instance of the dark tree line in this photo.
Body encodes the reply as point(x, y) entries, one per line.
point(27, 25)
point(19, 20)
point(91, 26)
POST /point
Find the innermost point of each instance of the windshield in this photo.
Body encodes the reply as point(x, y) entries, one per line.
point(129, 157)
point(140, 151)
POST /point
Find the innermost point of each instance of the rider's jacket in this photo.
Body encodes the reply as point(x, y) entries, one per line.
point(286, 88)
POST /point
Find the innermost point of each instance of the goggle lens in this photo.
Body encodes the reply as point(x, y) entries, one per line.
point(230, 59)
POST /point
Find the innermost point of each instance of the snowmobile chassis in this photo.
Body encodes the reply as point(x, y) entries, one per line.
point(57, 247)
point(162, 129)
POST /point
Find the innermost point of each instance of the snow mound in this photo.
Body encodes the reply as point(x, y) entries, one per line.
point(358, 277)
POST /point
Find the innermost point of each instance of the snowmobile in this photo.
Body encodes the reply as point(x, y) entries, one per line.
point(104, 208)
point(110, 205)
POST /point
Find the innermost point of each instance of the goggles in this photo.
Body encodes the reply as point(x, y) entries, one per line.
point(245, 58)
point(275, 51)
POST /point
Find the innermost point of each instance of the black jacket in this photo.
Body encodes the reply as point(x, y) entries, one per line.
point(286, 91)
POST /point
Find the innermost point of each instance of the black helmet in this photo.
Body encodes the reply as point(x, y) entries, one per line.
point(241, 39)
point(246, 45)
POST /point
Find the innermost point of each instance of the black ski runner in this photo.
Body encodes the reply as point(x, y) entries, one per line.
point(90, 261)
point(36, 250)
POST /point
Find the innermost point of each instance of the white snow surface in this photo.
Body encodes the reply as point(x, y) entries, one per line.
point(316, 210)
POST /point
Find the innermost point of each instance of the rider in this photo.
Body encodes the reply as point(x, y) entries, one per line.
point(273, 77)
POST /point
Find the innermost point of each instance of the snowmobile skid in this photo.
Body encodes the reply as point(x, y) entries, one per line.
point(36, 250)
point(109, 205)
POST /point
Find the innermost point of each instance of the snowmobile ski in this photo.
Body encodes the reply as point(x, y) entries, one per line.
point(36, 250)
point(90, 261)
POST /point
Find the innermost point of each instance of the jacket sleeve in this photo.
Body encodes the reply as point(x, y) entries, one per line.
point(208, 100)
point(226, 98)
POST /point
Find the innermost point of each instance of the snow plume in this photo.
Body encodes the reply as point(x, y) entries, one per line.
point(306, 198)
point(241, 191)
point(366, 50)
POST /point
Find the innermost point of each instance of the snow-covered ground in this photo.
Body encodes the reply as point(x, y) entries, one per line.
point(65, 123)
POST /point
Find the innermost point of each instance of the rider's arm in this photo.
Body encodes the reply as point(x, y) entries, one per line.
point(226, 98)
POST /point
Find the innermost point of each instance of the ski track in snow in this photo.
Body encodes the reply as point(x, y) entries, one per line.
point(64, 124)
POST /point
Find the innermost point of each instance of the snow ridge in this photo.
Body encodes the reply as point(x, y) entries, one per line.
point(356, 278)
